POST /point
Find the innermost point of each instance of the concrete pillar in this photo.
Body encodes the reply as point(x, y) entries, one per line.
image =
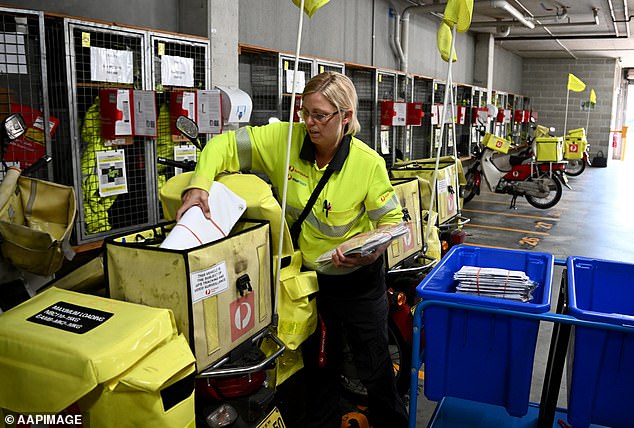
point(484, 62)
point(223, 24)
point(219, 21)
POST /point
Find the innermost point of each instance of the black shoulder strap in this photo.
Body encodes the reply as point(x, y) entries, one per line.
point(297, 226)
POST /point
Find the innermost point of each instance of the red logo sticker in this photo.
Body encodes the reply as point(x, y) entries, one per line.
point(242, 316)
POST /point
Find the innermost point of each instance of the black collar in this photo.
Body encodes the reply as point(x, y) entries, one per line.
point(308, 152)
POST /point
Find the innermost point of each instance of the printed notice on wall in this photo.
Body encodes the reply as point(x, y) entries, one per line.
point(177, 71)
point(69, 317)
point(300, 81)
point(112, 173)
point(12, 54)
point(186, 152)
point(209, 282)
point(110, 65)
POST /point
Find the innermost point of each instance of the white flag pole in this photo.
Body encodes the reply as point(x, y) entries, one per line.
point(448, 90)
point(566, 116)
point(288, 161)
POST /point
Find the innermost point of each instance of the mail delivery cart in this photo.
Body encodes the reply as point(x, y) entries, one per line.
point(592, 333)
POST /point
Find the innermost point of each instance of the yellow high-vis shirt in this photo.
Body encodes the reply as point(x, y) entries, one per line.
point(358, 196)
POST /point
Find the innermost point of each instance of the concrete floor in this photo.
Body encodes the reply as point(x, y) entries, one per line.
point(592, 220)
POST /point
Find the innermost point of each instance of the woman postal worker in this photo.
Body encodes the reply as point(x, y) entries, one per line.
point(357, 197)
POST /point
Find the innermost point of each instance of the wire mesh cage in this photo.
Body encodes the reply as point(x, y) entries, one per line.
point(365, 84)
point(22, 88)
point(305, 70)
point(463, 119)
point(179, 71)
point(386, 84)
point(258, 77)
point(423, 93)
point(113, 168)
point(322, 66)
point(402, 134)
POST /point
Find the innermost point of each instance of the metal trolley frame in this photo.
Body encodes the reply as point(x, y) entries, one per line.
point(547, 407)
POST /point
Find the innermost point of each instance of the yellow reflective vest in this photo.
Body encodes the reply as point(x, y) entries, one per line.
point(358, 196)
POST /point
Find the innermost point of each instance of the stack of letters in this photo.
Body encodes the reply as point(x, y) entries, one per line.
point(494, 282)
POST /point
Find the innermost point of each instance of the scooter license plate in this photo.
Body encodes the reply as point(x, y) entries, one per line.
point(272, 420)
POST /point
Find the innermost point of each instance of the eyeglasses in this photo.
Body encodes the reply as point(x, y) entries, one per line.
point(317, 117)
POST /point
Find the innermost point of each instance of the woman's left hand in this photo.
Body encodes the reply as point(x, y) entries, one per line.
point(341, 261)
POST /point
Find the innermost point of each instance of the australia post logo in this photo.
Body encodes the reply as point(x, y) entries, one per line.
point(242, 316)
point(296, 175)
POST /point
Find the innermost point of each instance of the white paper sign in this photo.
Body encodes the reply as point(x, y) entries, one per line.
point(385, 142)
point(209, 112)
point(109, 65)
point(209, 282)
point(177, 71)
point(300, 81)
point(111, 172)
point(12, 54)
point(186, 152)
point(144, 113)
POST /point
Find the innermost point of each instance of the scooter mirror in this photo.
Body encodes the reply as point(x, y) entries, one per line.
point(187, 127)
point(14, 126)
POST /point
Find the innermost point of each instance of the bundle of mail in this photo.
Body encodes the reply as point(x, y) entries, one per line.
point(365, 243)
point(494, 282)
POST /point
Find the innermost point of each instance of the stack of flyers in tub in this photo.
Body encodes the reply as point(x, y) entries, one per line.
point(494, 282)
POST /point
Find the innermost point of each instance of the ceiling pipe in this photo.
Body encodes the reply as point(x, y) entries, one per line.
point(395, 38)
point(501, 4)
point(484, 24)
point(583, 36)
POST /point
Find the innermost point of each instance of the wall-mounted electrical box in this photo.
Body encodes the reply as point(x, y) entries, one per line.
point(480, 114)
point(182, 103)
point(503, 116)
point(522, 116)
point(393, 113)
point(116, 113)
point(415, 114)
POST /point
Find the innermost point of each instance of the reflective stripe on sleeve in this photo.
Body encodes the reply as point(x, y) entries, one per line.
point(376, 214)
point(243, 146)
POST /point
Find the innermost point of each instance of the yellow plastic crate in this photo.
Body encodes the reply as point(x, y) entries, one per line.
point(574, 147)
point(498, 144)
point(549, 149)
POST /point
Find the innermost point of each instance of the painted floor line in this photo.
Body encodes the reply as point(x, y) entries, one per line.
point(511, 215)
point(471, 244)
point(508, 229)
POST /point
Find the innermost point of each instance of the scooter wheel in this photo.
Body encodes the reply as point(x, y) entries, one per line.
point(575, 167)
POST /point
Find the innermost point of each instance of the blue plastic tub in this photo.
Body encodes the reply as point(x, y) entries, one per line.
point(601, 362)
point(481, 356)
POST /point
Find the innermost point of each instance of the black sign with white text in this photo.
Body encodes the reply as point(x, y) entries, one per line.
point(69, 317)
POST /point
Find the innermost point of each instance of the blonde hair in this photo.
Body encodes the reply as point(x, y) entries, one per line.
point(340, 91)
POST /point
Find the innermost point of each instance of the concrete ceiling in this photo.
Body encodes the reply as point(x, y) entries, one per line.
point(571, 29)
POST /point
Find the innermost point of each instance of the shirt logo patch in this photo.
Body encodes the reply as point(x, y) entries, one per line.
point(296, 176)
point(384, 197)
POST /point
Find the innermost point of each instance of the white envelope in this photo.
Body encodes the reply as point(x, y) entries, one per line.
point(194, 229)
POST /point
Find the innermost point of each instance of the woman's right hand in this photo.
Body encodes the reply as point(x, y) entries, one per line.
point(192, 198)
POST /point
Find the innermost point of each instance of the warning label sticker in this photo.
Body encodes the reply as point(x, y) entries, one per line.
point(209, 282)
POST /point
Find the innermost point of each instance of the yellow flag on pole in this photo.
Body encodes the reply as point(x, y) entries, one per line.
point(458, 13)
point(311, 6)
point(575, 84)
point(593, 97)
